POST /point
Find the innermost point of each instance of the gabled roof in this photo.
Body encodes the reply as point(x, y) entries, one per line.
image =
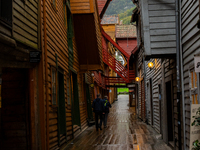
point(125, 31)
point(102, 6)
point(110, 19)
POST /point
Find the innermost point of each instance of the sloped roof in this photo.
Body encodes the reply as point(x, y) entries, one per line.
point(101, 4)
point(110, 19)
point(124, 31)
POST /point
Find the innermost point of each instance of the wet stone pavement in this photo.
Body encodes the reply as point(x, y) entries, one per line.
point(124, 132)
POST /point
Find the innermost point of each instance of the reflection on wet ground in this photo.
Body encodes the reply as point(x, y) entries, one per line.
point(124, 132)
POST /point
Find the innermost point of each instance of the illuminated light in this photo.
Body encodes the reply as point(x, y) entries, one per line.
point(150, 65)
point(137, 79)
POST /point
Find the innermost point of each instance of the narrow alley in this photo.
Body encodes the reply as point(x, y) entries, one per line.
point(124, 131)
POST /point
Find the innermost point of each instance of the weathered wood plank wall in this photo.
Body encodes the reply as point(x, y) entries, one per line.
point(159, 25)
point(155, 75)
point(25, 22)
point(190, 46)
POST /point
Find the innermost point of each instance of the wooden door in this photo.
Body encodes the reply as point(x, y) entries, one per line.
point(142, 101)
point(89, 106)
point(75, 100)
point(61, 106)
point(151, 100)
point(169, 111)
point(15, 110)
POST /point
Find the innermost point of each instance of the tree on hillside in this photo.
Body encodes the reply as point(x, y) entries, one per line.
point(119, 6)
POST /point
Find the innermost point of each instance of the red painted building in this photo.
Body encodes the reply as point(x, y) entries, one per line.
point(126, 37)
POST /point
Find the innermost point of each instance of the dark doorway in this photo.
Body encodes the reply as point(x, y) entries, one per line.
point(151, 100)
point(169, 111)
point(75, 100)
point(15, 115)
point(61, 103)
point(160, 106)
point(89, 106)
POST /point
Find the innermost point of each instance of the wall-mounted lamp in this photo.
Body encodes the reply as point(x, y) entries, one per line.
point(150, 65)
point(137, 79)
point(92, 74)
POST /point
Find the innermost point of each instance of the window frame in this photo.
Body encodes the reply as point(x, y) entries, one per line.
point(8, 21)
point(68, 90)
point(53, 69)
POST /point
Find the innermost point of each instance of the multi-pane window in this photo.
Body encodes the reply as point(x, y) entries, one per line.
point(194, 87)
point(53, 86)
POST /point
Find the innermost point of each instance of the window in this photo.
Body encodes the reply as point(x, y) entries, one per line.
point(54, 86)
point(54, 3)
point(194, 87)
point(6, 11)
point(68, 91)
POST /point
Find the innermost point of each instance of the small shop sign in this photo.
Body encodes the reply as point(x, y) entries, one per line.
point(34, 56)
point(194, 127)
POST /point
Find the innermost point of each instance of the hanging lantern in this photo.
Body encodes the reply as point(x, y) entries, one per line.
point(137, 79)
point(150, 65)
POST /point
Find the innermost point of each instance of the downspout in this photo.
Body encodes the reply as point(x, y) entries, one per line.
point(46, 75)
point(145, 90)
point(182, 81)
point(178, 73)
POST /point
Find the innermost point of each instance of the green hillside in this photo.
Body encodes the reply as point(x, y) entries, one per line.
point(122, 7)
point(126, 16)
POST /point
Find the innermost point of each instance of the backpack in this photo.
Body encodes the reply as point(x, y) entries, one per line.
point(105, 105)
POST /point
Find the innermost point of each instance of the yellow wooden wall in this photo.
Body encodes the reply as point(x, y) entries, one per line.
point(110, 30)
point(81, 6)
point(25, 22)
point(98, 31)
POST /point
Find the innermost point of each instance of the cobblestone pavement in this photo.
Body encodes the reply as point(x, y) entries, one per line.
point(124, 132)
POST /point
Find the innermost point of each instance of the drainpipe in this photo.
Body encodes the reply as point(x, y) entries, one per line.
point(46, 74)
point(178, 73)
point(145, 89)
point(182, 80)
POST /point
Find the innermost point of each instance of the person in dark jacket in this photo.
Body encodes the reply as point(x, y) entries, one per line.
point(106, 107)
point(97, 106)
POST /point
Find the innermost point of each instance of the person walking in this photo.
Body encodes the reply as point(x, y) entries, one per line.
point(97, 106)
point(106, 107)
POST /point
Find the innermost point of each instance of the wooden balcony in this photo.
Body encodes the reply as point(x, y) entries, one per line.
point(87, 34)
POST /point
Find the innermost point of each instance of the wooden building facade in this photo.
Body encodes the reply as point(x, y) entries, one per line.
point(20, 54)
point(156, 32)
point(190, 47)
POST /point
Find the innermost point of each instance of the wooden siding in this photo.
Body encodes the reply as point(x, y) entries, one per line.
point(82, 6)
point(140, 74)
point(110, 30)
point(57, 45)
point(98, 33)
point(25, 22)
point(190, 46)
point(159, 27)
point(155, 75)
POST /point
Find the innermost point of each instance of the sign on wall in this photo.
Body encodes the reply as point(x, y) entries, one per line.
point(197, 63)
point(194, 130)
